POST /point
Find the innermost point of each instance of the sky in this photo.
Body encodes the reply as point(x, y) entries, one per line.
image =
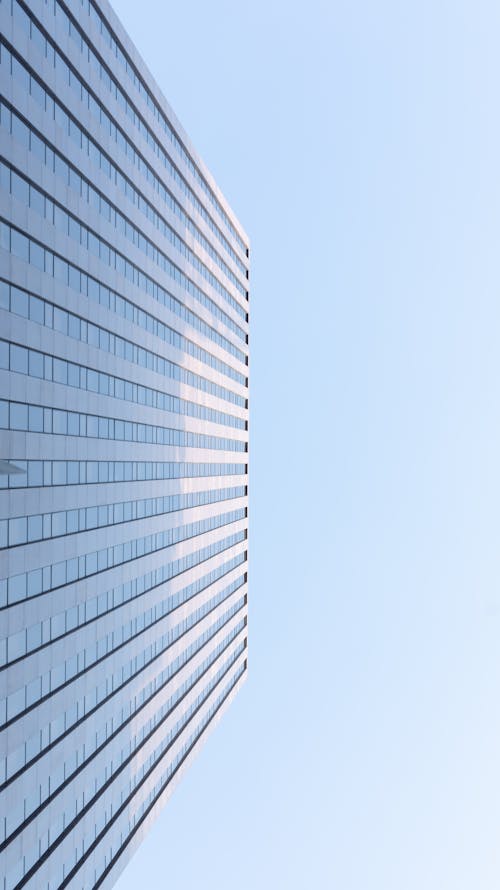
point(359, 145)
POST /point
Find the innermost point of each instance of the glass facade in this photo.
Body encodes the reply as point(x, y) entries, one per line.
point(123, 447)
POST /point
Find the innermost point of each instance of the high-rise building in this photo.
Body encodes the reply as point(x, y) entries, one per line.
point(123, 447)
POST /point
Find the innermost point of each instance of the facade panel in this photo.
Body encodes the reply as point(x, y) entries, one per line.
point(123, 447)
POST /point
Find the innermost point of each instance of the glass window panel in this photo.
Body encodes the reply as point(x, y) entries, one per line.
point(60, 371)
point(72, 521)
point(37, 256)
point(17, 588)
point(4, 295)
point(34, 528)
point(35, 364)
point(58, 574)
point(74, 278)
point(73, 376)
point(4, 236)
point(36, 310)
point(37, 203)
point(18, 416)
point(36, 144)
point(35, 419)
point(60, 270)
point(74, 327)
point(72, 569)
point(92, 334)
point(73, 472)
point(91, 563)
point(73, 424)
point(18, 530)
point(35, 473)
point(92, 427)
point(34, 636)
point(59, 523)
point(19, 245)
point(19, 302)
point(16, 646)
point(4, 354)
point(60, 320)
point(59, 422)
point(59, 472)
point(19, 188)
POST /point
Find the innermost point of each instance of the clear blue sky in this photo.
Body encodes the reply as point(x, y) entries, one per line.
point(359, 143)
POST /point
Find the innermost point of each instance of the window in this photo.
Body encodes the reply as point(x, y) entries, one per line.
point(35, 364)
point(18, 416)
point(73, 472)
point(35, 473)
point(59, 422)
point(35, 418)
point(60, 371)
point(58, 472)
point(60, 320)
point(37, 256)
point(36, 309)
point(34, 528)
point(59, 523)
point(19, 302)
point(19, 245)
point(60, 270)
point(73, 424)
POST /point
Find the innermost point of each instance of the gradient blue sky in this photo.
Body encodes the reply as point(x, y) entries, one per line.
point(359, 143)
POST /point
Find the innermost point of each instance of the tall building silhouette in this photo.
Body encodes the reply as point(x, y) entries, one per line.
point(123, 447)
